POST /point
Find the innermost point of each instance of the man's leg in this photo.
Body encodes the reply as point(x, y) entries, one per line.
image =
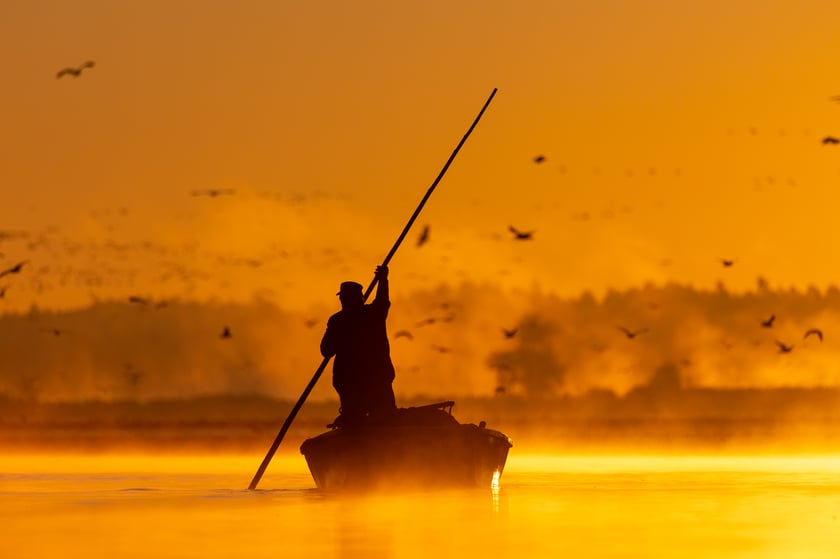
point(382, 400)
point(353, 406)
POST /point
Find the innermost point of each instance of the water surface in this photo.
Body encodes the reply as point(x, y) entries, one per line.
point(152, 506)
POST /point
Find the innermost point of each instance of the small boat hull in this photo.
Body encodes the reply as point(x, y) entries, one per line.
point(421, 447)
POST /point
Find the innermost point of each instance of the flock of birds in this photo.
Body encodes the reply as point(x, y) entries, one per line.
point(423, 238)
point(630, 334)
point(133, 299)
point(508, 333)
point(766, 323)
point(726, 262)
point(143, 301)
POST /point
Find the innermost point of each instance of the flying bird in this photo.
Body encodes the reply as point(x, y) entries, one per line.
point(226, 333)
point(14, 269)
point(427, 321)
point(784, 348)
point(424, 236)
point(3, 291)
point(520, 235)
point(630, 334)
point(441, 349)
point(213, 192)
point(404, 334)
point(830, 140)
point(138, 300)
point(310, 322)
point(539, 159)
point(132, 375)
point(769, 322)
point(727, 263)
point(509, 333)
point(815, 331)
point(75, 72)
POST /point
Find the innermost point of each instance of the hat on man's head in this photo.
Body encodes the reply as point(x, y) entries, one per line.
point(348, 287)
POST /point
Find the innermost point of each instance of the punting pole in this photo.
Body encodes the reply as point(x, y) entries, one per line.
point(277, 440)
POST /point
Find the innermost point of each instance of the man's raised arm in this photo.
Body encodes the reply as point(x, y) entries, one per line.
point(382, 290)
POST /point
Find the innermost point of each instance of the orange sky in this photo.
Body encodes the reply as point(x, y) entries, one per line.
point(675, 133)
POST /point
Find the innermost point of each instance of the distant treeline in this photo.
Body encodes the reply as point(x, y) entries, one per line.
point(464, 341)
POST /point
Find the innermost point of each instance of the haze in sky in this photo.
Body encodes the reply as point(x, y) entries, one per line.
point(673, 135)
point(257, 154)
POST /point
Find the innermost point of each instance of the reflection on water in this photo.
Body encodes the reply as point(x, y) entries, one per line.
point(494, 490)
point(546, 506)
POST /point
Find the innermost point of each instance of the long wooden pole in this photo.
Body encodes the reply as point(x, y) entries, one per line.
point(286, 424)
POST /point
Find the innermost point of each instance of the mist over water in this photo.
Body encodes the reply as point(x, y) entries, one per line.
point(141, 506)
point(447, 341)
point(701, 371)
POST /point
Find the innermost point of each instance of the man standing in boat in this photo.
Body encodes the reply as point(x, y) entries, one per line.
point(357, 337)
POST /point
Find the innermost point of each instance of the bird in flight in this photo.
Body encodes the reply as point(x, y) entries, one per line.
point(426, 321)
point(424, 236)
point(75, 72)
point(3, 291)
point(727, 263)
point(213, 192)
point(784, 348)
point(138, 300)
point(226, 333)
point(509, 333)
point(815, 331)
point(769, 322)
point(830, 140)
point(14, 269)
point(520, 235)
point(539, 159)
point(132, 375)
point(630, 334)
point(404, 334)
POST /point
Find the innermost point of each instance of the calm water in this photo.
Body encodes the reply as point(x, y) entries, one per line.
point(546, 507)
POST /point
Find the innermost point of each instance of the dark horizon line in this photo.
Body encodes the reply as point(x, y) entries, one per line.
point(831, 289)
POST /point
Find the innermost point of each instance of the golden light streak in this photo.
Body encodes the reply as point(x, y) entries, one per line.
point(494, 490)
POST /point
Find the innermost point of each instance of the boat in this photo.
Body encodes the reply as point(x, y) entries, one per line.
point(422, 446)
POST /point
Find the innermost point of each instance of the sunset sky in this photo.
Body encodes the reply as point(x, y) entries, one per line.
point(675, 134)
point(175, 222)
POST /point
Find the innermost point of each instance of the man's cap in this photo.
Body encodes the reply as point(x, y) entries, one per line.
point(349, 287)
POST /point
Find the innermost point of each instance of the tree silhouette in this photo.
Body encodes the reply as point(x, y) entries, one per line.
point(532, 366)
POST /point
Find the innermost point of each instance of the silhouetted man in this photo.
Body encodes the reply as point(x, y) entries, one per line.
point(356, 335)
